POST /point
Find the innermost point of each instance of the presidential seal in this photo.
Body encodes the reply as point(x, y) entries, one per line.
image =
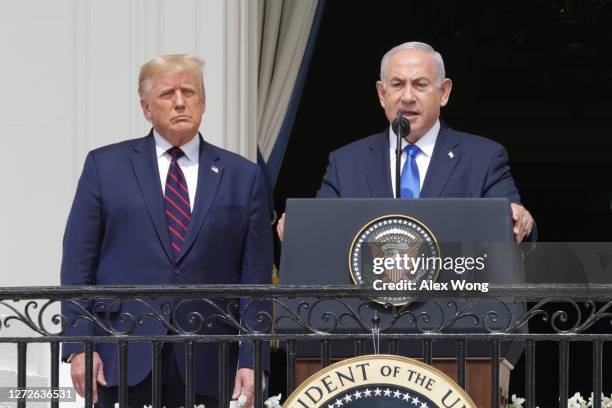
point(379, 381)
point(394, 253)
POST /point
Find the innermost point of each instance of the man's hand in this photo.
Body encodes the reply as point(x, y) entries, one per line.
point(522, 220)
point(77, 372)
point(280, 227)
point(245, 384)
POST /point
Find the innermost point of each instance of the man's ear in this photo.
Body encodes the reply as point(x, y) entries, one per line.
point(447, 85)
point(380, 90)
point(145, 109)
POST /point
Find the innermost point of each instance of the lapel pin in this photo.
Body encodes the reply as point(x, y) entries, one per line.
point(215, 169)
point(450, 154)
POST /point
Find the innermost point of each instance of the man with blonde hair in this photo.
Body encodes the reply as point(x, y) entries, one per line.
point(168, 208)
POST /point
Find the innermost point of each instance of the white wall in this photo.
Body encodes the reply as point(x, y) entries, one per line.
point(69, 79)
point(68, 76)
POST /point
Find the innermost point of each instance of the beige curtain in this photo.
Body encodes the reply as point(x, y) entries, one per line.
point(283, 28)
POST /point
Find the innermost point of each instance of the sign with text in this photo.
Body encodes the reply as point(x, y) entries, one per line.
point(379, 381)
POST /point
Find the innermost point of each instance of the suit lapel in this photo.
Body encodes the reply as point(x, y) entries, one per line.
point(210, 171)
point(442, 165)
point(146, 169)
point(377, 167)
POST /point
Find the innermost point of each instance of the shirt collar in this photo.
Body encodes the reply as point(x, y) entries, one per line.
point(191, 148)
point(425, 143)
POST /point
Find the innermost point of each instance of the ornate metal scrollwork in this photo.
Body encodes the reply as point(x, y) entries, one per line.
point(308, 314)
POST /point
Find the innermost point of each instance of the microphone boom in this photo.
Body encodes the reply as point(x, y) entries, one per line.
point(401, 127)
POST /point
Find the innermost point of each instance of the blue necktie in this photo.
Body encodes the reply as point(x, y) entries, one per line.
point(409, 180)
point(176, 203)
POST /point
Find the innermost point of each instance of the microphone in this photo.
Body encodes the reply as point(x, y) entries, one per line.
point(401, 127)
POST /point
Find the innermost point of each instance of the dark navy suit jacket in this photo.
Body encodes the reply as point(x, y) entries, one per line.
point(478, 168)
point(117, 234)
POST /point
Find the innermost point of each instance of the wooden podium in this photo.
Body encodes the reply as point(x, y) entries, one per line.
point(477, 376)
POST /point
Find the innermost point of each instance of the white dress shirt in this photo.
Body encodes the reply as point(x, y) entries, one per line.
point(188, 162)
point(425, 143)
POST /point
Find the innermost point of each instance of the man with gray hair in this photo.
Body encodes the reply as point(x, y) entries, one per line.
point(436, 161)
point(168, 208)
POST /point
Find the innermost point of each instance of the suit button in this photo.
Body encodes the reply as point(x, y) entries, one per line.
point(176, 271)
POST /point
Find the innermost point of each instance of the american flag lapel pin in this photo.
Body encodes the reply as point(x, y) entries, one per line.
point(215, 168)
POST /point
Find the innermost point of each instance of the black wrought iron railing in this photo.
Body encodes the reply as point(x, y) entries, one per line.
point(323, 314)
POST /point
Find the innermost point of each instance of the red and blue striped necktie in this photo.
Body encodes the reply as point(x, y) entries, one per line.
point(176, 202)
